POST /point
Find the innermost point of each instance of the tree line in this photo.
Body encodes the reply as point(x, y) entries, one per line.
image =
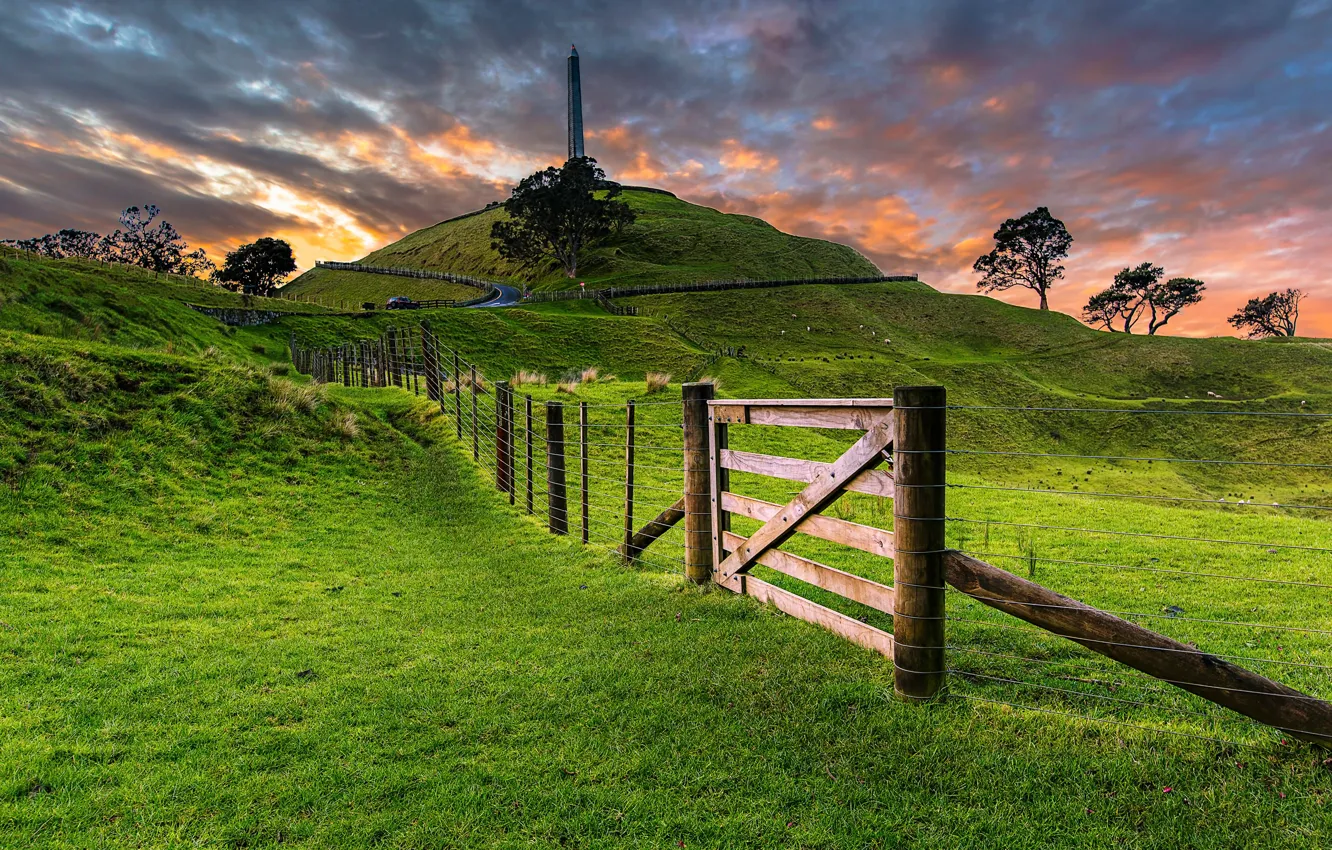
point(142, 240)
point(1027, 254)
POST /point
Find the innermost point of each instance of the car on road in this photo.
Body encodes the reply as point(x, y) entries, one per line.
point(401, 302)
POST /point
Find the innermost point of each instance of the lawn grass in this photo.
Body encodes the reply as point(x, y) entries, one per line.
point(672, 241)
point(357, 288)
point(229, 618)
point(224, 624)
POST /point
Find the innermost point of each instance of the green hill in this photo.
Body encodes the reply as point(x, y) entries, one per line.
point(238, 608)
point(671, 241)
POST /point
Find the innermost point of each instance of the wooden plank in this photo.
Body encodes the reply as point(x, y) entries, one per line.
point(845, 417)
point(817, 495)
point(849, 585)
point(801, 608)
point(805, 402)
point(866, 538)
point(876, 482)
point(1155, 654)
point(654, 528)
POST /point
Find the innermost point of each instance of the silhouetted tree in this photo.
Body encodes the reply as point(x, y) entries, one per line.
point(1026, 253)
point(196, 264)
point(1273, 315)
point(256, 268)
point(1139, 293)
point(554, 214)
point(157, 247)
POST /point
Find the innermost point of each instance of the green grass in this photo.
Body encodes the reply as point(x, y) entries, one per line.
point(672, 241)
point(229, 618)
point(225, 625)
point(357, 288)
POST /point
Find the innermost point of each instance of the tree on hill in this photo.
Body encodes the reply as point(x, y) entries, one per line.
point(1139, 293)
point(1273, 315)
point(256, 268)
point(553, 214)
point(1026, 253)
point(158, 248)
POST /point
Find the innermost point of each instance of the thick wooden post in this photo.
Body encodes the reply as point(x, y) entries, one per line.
point(628, 479)
point(582, 462)
point(501, 438)
point(557, 503)
point(697, 486)
point(528, 412)
point(476, 436)
point(457, 396)
point(919, 482)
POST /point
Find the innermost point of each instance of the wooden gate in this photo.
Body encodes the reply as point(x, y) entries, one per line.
point(906, 433)
point(910, 444)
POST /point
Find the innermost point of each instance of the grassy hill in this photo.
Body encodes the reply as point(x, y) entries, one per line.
point(672, 241)
point(240, 609)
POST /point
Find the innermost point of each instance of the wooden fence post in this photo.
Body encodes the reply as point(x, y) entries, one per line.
point(919, 482)
point(457, 396)
point(698, 511)
point(391, 355)
point(430, 361)
point(501, 438)
point(720, 482)
point(528, 411)
point(628, 550)
point(582, 463)
point(476, 438)
point(557, 504)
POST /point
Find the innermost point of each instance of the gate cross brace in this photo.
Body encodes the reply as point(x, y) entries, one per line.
point(827, 484)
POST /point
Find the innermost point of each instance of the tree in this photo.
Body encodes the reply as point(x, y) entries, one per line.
point(1139, 293)
point(196, 264)
point(141, 244)
point(1105, 308)
point(1026, 253)
point(256, 268)
point(1273, 315)
point(553, 214)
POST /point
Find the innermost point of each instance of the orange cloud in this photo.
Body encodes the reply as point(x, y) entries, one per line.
point(740, 158)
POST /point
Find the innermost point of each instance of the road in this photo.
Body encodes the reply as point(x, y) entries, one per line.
point(506, 297)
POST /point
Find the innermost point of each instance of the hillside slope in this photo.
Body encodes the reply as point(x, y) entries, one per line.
point(672, 241)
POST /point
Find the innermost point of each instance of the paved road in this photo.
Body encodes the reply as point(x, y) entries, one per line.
point(506, 297)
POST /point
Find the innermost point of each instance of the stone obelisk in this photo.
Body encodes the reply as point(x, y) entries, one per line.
point(575, 106)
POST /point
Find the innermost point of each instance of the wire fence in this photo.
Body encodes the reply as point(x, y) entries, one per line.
point(1221, 543)
point(1224, 549)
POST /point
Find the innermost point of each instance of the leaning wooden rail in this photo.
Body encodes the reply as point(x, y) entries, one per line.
point(1184, 666)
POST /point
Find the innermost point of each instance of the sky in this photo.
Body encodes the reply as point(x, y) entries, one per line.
point(1193, 135)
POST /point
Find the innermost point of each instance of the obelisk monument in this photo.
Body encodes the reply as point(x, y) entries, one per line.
point(575, 106)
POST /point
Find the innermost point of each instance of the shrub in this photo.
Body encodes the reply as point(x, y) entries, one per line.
point(589, 375)
point(657, 381)
point(570, 387)
point(344, 426)
point(522, 376)
point(708, 379)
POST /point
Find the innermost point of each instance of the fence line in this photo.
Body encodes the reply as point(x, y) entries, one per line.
point(996, 653)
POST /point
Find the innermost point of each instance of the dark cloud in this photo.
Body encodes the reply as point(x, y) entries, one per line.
point(1190, 132)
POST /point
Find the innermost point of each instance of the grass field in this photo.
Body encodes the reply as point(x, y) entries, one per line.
point(238, 610)
point(357, 288)
point(672, 241)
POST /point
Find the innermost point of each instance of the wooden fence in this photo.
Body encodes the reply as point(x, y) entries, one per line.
point(899, 455)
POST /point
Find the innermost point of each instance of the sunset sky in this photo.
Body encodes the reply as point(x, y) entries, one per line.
point(1194, 135)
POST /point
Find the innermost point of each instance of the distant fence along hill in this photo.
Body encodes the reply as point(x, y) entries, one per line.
point(617, 291)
